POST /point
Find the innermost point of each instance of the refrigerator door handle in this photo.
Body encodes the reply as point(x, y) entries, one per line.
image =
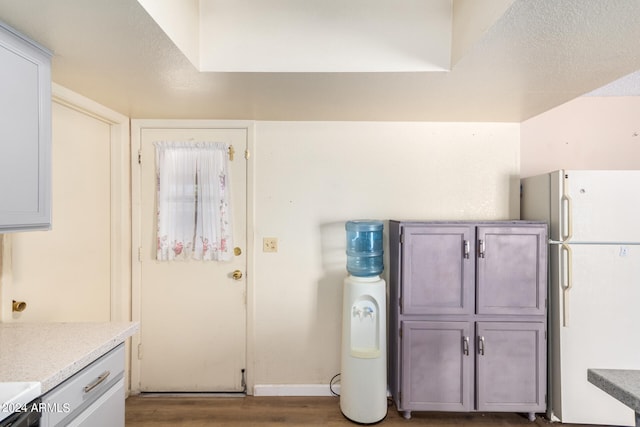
point(566, 280)
point(566, 231)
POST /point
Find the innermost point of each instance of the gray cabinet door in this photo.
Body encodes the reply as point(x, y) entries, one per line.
point(511, 268)
point(437, 363)
point(510, 366)
point(438, 269)
point(25, 134)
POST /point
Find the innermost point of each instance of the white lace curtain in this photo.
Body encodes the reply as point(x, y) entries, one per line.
point(194, 201)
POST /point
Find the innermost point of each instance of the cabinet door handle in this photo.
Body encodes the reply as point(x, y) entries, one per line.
point(465, 346)
point(95, 383)
point(481, 346)
point(481, 248)
point(467, 249)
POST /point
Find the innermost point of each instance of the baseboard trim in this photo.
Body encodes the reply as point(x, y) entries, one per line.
point(295, 390)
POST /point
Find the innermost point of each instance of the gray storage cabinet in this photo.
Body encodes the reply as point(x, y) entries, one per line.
point(467, 316)
point(25, 133)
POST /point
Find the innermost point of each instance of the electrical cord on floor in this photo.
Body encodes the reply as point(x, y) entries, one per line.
point(331, 385)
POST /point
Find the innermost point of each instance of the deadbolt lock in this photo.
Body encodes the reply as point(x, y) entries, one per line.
point(237, 275)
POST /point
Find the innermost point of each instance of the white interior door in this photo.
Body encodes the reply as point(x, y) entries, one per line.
point(65, 274)
point(192, 313)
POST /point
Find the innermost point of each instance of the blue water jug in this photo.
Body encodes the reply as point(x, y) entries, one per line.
point(364, 248)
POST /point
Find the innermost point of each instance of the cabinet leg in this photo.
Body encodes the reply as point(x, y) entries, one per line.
point(532, 416)
point(406, 415)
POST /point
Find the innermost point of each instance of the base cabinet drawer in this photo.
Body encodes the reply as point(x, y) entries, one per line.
point(107, 411)
point(76, 399)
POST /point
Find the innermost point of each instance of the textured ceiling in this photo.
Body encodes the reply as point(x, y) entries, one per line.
point(537, 55)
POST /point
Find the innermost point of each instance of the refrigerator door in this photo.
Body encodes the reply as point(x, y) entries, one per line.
point(597, 206)
point(593, 324)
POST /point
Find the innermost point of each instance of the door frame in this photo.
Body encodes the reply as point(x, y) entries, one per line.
point(120, 202)
point(137, 126)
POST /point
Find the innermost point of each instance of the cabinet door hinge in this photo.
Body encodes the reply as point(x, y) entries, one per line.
point(140, 254)
point(402, 238)
point(140, 351)
point(247, 154)
point(139, 157)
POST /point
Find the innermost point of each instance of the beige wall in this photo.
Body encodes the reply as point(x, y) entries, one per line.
point(586, 133)
point(311, 177)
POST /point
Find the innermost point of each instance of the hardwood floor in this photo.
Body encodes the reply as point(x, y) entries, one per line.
point(196, 411)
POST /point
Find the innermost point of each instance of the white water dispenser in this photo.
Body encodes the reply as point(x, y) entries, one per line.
point(363, 377)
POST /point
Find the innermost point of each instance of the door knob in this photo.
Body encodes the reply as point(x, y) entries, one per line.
point(237, 275)
point(18, 306)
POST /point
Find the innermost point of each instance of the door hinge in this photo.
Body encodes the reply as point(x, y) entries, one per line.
point(140, 254)
point(139, 157)
point(402, 239)
point(247, 154)
point(140, 351)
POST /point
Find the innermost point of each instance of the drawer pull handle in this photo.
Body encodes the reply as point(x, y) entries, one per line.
point(95, 383)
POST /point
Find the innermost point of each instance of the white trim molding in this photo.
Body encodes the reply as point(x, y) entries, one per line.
point(295, 390)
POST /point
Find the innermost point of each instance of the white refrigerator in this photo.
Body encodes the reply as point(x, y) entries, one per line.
point(594, 285)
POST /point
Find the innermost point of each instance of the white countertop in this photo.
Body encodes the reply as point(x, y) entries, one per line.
point(50, 353)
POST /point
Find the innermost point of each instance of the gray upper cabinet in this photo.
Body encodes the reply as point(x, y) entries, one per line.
point(511, 270)
point(467, 316)
point(438, 270)
point(25, 133)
